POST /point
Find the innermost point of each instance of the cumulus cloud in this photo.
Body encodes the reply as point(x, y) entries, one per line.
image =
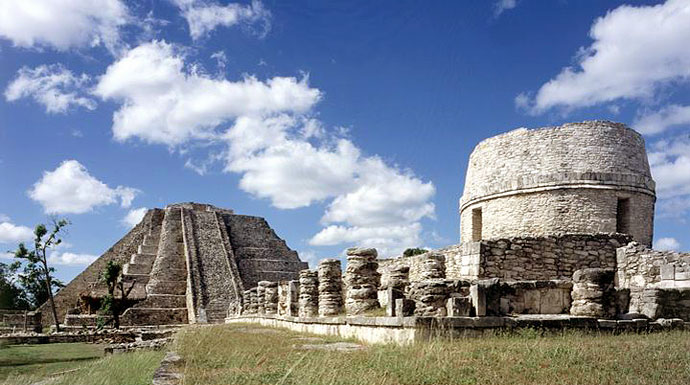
point(667, 244)
point(63, 24)
point(659, 121)
point(269, 136)
point(71, 189)
point(53, 86)
point(11, 233)
point(636, 50)
point(503, 5)
point(204, 16)
point(669, 159)
point(163, 103)
point(134, 216)
point(71, 259)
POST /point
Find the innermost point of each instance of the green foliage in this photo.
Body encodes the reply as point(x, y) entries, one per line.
point(414, 251)
point(12, 295)
point(111, 305)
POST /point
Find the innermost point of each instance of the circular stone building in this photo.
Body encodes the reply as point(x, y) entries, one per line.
point(590, 177)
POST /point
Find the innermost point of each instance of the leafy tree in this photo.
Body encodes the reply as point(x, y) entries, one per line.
point(34, 286)
point(12, 296)
point(112, 306)
point(37, 268)
point(414, 251)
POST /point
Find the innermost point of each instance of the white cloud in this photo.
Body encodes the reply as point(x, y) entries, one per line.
point(134, 216)
point(71, 189)
point(53, 86)
point(667, 244)
point(269, 136)
point(204, 16)
point(636, 50)
point(63, 24)
point(161, 103)
point(11, 233)
point(663, 119)
point(71, 259)
point(503, 5)
point(669, 159)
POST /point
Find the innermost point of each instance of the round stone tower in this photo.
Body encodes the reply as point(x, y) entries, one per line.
point(590, 177)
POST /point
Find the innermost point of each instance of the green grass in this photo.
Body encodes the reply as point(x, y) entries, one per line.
point(80, 364)
point(248, 356)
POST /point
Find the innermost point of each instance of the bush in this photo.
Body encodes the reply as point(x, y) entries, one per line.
point(414, 251)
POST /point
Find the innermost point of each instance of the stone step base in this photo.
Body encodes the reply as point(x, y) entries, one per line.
point(82, 320)
point(167, 287)
point(144, 259)
point(164, 301)
point(138, 278)
point(136, 268)
point(150, 240)
point(143, 249)
point(154, 316)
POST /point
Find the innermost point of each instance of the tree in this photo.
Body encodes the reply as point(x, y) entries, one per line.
point(414, 251)
point(12, 296)
point(33, 285)
point(112, 276)
point(37, 260)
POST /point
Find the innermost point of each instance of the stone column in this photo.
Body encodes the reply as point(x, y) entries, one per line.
point(397, 285)
point(253, 301)
point(261, 297)
point(308, 293)
point(293, 298)
point(362, 280)
point(247, 301)
point(283, 298)
point(593, 293)
point(330, 287)
point(271, 298)
point(431, 292)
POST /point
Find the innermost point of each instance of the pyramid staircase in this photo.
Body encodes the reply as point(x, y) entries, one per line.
point(162, 275)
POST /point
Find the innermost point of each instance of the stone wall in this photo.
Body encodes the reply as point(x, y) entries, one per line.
point(527, 258)
point(564, 179)
point(641, 268)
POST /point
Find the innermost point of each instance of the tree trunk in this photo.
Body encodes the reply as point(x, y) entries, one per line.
point(52, 302)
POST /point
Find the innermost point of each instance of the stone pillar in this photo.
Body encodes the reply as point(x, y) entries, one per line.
point(398, 282)
point(330, 287)
point(249, 303)
point(293, 298)
point(308, 293)
point(593, 293)
point(271, 298)
point(431, 292)
point(261, 297)
point(362, 280)
point(283, 298)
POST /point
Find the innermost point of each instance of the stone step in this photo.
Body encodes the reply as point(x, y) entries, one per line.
point(150, 240)
point(167, 287)
point(138, 278)
point(154, 316)
point(143, 249)
point(136, 268)
point(164, 301)
point(144, 259)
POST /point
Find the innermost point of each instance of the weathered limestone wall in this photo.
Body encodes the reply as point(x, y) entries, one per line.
point(564, 179)
point(121, 251)
point(526, 258)
point(643, 270)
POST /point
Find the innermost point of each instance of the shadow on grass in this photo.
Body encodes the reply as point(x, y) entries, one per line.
point(9, 363)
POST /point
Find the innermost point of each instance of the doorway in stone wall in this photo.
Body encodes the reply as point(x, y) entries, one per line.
point(477, 224)
point(623, 216)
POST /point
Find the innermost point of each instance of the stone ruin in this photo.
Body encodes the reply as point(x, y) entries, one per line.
point(188, 263)
point(554, 221)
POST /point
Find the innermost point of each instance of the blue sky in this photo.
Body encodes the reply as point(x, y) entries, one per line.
point(340, 123)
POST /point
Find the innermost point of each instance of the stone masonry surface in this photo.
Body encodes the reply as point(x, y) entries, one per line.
point(564, 179)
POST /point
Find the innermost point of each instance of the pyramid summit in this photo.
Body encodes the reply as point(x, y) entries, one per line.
point(188, 263)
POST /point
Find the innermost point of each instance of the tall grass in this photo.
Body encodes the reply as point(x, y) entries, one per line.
point(243, 354)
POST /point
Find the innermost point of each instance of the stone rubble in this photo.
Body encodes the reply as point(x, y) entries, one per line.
point(593, 293)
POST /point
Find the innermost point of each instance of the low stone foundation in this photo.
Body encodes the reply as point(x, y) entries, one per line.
point(408, 330)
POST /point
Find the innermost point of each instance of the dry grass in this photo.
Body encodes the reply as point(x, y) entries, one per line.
point(248, 354)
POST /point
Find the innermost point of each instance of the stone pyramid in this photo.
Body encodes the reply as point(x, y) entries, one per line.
point(188, 263)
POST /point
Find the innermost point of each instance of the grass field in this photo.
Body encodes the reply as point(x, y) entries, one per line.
point(74, 364)
point(248, 354)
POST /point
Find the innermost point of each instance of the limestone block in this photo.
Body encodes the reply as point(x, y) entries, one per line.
point(404, 307)
point(293, 298)
point(330, 288)
point(270, 297)
point(459, 306)
point(392, 295)
point(478, 297)
point(433, 266)
point(593, 293)
point(430, 297)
